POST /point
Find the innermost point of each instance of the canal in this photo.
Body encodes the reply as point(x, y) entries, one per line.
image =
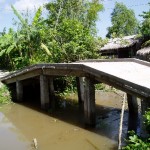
point(64, 128)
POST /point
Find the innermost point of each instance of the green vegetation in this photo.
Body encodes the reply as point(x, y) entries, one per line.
point(18, 48)
point(137, 143)
point(5, 96)
point(145, 28)
point(123, 21)
point(99, 86)
point(147, 119)
point(66, 35)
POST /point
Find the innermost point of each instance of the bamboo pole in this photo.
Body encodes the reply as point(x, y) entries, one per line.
point(121, 122)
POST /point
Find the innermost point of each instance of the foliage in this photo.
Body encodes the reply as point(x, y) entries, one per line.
point(100, 86)
point(71, 31)
point(4, 95)
point(65, 85)
point(147, 119)
point(145, 26)
point(66, 35)
point(84, 11)
point(146, 44)
point(145, 14)
point(18, 48)
point(137, 143)
point(123, 21)
point(145, 29)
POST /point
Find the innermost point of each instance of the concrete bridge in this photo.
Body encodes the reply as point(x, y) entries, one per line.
point(129, 75)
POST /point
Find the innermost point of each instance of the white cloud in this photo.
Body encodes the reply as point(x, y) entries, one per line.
point(2, 1)
point(29, 4)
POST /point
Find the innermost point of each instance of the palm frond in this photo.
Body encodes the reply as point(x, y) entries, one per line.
point(19, 16)
point(37, 16)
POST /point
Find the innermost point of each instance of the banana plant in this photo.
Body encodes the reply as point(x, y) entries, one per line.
point(23, 44)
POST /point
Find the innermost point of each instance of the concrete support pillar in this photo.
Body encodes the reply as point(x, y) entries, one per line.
point(145, 104)
point(133, 112)
point(19, 91)
point(52, 93)
point(89, 103)
point(44, 91)
point(80, 89)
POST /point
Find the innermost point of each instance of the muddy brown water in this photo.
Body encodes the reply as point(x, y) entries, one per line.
point(63, 129)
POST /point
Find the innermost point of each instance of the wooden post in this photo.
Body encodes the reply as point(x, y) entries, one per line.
point(89, 103)
point(19, 91)
point(52, 94)
point(80, 88)
point(133, 113)
point(44, 90)
point(145, 104)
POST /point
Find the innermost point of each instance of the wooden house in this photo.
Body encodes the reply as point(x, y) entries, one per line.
point(125, 47)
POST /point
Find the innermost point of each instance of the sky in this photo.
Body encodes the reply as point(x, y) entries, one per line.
point(104, 20)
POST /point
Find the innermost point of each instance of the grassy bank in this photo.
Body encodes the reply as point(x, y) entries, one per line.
point(5, 96)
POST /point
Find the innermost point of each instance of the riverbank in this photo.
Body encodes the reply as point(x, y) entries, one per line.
point(5, 96)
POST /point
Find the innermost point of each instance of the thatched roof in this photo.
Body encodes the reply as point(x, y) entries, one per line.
point(144, 54)
point(144, 51)
point(118, 43)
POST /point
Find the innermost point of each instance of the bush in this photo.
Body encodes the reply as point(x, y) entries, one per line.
point(5, 97)
point(147, 120)
point(137, 143)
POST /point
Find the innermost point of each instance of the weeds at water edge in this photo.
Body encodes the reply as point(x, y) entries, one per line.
point(5, 96)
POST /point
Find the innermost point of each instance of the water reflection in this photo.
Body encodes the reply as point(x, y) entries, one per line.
point(10, 136)
point(63, 129)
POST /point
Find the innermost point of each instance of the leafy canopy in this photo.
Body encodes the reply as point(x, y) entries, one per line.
point(67, 34)
point(123, 21)
point(72, 29)
point(17, 48)
point(145, 27)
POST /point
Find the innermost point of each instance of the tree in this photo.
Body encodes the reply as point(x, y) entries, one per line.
point(72, 29)
point(145, 27)
point(6, 45)
point(123, 21)
point(20, 47)
point(66, 35)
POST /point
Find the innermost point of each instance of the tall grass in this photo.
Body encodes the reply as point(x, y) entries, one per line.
point(5, 96)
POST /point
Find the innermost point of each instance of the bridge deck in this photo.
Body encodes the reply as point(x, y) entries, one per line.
point(129, 71)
